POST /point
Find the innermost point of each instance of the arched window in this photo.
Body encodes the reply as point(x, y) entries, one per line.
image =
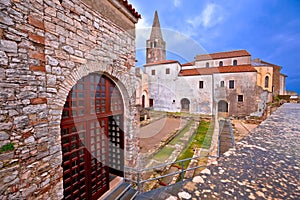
point(207, 65)
point(234, 62)
point(221, 63)
point(222, 83)
point(266, 81)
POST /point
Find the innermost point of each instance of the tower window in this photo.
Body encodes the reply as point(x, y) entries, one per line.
point(234, 62)
point(207, 65)
point(266, 81)
point(201, 84)
point(231, 84)
point(153, 72)
point(221, 63)
point(240, 98)
point(168, 71)
point(222, 83)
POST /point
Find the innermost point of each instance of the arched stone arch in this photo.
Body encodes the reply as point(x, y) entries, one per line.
point(124, 82)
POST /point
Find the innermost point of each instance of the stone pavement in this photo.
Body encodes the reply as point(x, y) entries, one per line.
point(264, 165)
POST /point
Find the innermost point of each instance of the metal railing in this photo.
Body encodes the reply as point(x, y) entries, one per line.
point(138, 172)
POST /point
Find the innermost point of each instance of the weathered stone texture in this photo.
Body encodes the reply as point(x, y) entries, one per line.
point(45, 48)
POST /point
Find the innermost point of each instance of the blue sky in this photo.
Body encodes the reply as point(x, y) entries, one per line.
point(267, 29)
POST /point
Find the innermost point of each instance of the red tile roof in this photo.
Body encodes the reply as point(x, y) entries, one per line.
point(161, 62)
point(220, 55)
point(130, 8)
point(188, 64)
point(215, 70)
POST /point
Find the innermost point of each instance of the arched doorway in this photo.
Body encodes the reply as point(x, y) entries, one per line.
point(92, 137)
point(222, 106)
point(185, 105)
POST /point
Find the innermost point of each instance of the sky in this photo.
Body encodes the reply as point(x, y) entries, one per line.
point(267, 29)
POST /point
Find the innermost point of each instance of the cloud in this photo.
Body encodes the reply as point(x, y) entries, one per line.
point(210, 16)
point(177, 3)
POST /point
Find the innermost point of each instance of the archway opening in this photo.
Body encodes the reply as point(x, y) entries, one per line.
point(185, 105)
point(223, 108)
point(92, 137)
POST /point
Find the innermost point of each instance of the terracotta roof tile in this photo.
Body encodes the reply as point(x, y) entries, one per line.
point(161, 62)
point(220, 55)
point(215, 70)
point(130, 8)
point(188, 64)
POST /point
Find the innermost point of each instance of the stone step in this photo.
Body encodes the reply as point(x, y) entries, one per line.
point(118, 192)
point(129, 195)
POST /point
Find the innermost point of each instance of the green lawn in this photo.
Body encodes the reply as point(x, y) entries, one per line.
point(164, 154)
point(201, 139)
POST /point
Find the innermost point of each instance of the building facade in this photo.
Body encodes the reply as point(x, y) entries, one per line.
point(228, 82)
point(67, 97)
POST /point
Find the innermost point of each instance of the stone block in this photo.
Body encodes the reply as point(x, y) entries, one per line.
point(36, 38)
point(68, 49)
point(36, 22)
point(5, 19)
point(38, 68)
point(8, 46)
point(5, 2)
point(77, 59)
point(3, 58)
point(38, 101)
point(4, 136)
point(37, 55)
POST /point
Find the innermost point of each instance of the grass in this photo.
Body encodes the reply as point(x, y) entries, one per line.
point(7, 147)
point(163, 154)
point(199, 140)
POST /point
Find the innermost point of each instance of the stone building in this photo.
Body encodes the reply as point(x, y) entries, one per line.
point(269, 77)
point(67, 97)
point(227, 82)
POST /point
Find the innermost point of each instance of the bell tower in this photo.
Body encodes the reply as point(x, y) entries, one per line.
point(156, 46)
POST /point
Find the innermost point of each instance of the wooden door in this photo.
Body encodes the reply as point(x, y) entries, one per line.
point(91, 137)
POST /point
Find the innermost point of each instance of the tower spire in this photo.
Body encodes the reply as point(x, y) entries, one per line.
point(156, 46)
point(156, 31)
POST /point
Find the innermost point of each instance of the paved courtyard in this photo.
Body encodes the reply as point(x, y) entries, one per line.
point(264, 165)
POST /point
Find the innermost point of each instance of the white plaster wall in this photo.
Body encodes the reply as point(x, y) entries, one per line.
point(162, 86)
point(200, 98)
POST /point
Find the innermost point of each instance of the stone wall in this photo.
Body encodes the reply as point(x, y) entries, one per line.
point(244, 84)
point(45, 48)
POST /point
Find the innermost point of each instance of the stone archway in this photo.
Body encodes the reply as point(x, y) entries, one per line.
point(185, 105)
point(92, 137)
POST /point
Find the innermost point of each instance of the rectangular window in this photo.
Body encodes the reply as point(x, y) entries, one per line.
point(153, 72)
point(240, 98)
point(201, 84)
point(168, 71)
point(231, 84)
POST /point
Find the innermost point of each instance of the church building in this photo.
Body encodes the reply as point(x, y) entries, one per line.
point(227, 82)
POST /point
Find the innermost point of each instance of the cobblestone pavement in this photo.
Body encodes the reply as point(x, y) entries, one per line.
point(264, 165)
